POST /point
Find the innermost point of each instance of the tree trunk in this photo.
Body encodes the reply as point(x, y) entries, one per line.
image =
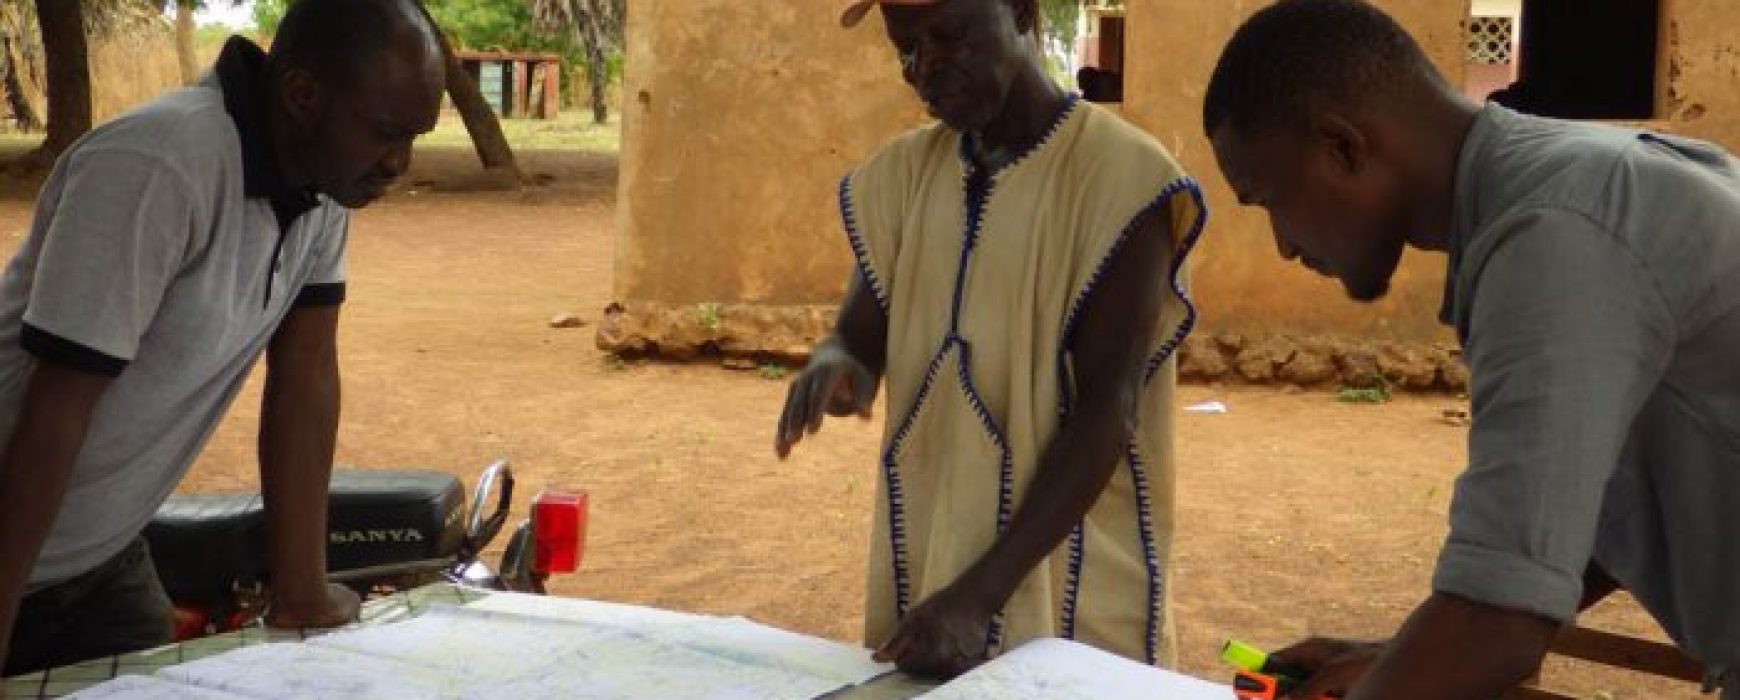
point(19, 71)
point(598, 74)
point(69, 76)
point(184, 41)
point(480, 122)
point(20, 84)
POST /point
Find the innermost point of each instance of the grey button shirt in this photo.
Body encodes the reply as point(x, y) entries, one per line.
point(153, 258)
point(1595, 283)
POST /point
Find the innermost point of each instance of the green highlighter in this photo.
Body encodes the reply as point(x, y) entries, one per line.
point(1260, 677)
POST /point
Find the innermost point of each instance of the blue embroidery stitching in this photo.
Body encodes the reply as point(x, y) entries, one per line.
point(1077, 553)
point(860, 249)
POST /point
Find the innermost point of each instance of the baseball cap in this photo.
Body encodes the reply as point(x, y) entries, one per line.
point(855, 11)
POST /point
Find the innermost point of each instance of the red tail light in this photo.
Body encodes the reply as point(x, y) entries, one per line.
point(558, 531)
point(190, 622)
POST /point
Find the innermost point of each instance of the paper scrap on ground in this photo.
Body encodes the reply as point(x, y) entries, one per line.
point(1206, 407)
point(1055, 669)
point(148, 688)
point(734, 638)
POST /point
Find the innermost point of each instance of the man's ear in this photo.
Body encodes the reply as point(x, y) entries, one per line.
point(303, 95)
point(1348, 145)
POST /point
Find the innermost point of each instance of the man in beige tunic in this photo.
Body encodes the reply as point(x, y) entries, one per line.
point(1018, 283)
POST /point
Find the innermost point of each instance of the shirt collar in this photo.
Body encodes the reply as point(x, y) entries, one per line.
point(240, 73)
point(1465, 211)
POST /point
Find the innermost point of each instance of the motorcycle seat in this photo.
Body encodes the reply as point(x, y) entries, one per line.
point(204, 544)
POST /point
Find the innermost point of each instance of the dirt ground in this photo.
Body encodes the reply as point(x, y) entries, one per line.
point(1298, 515)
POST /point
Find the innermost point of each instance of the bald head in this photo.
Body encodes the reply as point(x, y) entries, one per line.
point(1296, 57)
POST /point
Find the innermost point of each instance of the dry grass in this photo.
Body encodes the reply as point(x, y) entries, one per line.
point(570, 131)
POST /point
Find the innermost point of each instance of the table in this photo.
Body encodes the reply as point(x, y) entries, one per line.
point(404, 605)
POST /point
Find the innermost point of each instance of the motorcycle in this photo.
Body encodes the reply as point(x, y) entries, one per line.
point(388, 531)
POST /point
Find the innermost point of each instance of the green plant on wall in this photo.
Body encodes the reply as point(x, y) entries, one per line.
point(708, 316)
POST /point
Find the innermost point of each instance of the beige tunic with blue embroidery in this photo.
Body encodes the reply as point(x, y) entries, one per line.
point(983, 276)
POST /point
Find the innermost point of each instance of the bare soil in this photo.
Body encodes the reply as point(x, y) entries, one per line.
point(1298, 515)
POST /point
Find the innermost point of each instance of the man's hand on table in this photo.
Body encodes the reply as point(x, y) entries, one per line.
point(338, 606)
point(943, 637)
point(1335, 665)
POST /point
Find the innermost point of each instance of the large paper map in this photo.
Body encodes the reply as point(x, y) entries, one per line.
point(523, 647)
point(1054, 669)
point(530, 648)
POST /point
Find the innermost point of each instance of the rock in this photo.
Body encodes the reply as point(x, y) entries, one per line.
point(1407, 367)
point(1308, 368)
point(783, 332)
point(791, 355)
point(1280, 349)
point(1200, 359)
point(742, 364)
point(679, 352)
point(1259, 361)
point(619, 333)
point(1456, 417)
point(1359, 368)
point(1230, 343)
point(566, 320)
point(1256, 369)
point(1327, 346)
point(1454, 376)
point(687, 331)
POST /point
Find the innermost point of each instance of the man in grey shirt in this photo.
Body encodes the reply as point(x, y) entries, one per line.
point(171, 248)
point(1594, 279)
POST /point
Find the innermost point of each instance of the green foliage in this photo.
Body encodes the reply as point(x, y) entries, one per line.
point(267, 14)
point(1373, 394)
point(773, 372)
point(488, 25)
point(571, 130)
point(207, 35)
point(483, 25)
point(169, 5)
point(1058, 17)
point(707, 315)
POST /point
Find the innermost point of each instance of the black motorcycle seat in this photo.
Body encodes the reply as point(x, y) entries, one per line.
point(203, 544)
point(387, 517)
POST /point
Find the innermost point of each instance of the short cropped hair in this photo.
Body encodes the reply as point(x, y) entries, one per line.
point(334, 39)
point(1296, 55)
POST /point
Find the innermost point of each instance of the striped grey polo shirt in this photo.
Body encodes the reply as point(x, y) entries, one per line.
point(1595, 281)
point(164, 253)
